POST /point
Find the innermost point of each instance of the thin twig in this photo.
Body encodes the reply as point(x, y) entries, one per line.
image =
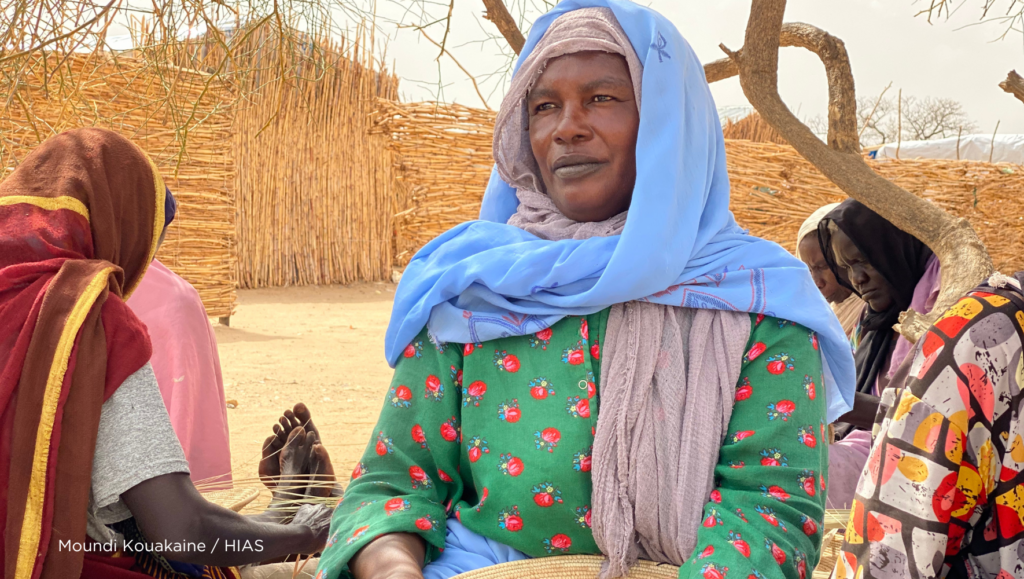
point(462, 68)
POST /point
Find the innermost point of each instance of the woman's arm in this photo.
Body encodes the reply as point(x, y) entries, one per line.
point(394, 556)
point(764, 517)
point(168, 508)
point(393, 516)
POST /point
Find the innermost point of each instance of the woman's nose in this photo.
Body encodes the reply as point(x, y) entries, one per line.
point(572, 126)
point(858, 276)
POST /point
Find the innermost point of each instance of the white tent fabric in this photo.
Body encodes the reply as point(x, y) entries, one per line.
point(1008, 149)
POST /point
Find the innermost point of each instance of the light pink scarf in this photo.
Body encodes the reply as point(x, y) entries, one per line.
point(670, 373)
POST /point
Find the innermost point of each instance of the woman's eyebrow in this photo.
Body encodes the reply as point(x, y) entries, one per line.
point(606, 81)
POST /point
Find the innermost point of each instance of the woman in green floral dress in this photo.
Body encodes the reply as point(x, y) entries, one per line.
point(512, 336)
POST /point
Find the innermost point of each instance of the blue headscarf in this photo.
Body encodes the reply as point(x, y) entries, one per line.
point(484, 279)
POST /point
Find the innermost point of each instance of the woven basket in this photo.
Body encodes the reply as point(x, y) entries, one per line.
point(567, 567)
point(235, 499)
point(830, 548)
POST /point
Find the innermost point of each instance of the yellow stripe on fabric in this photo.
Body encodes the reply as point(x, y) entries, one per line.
point(31, 526)
point(158, 226)
point(49, 203)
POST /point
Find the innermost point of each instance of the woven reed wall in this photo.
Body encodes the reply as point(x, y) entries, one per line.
point(179, 117)
point(316, 192)
point(443, 156)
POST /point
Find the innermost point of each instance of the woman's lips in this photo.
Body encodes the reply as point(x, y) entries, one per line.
point(577, 170)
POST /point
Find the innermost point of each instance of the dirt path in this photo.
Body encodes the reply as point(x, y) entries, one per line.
point(319, 345)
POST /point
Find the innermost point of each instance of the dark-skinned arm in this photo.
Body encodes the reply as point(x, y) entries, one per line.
point(394, 556)
point(169, 508)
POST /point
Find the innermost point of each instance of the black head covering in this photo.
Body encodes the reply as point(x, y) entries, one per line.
point(898, 256)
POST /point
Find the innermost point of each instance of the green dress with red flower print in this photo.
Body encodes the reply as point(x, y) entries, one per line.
point(500, 436)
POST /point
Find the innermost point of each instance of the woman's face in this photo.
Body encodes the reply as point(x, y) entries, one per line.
point(583, 126)
point(870, 284)
point(821, 273)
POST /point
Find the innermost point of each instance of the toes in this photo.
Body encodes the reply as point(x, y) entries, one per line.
point(270, 468)
point(305, 418)
point(323, 473)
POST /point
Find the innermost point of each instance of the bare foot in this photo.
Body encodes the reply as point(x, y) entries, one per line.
point(322, 481)
point(270, 464)
point(295, 463)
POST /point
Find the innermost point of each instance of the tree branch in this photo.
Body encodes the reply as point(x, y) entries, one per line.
point(498, 14)
point(842, 102)
point(965, 262)
point(1014, 85)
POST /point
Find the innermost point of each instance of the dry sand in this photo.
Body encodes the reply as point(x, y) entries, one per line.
point(323, 346)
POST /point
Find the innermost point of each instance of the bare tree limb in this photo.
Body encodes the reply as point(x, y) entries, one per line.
point(50, 41)
point(965, 262)
point(1014, 85)
point(499, 15)
point(462, 68)
point(842, 102)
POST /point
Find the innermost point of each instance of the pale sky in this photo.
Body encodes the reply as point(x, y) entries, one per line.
point(886, 42)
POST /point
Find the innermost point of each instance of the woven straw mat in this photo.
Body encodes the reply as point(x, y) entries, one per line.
point(567, 567)
point(234, 499)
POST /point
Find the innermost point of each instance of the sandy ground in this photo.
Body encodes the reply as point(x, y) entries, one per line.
point(323, 346)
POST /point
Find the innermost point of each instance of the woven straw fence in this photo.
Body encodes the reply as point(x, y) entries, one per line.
point(180, 117)
point(316, 193)
point(443, 156)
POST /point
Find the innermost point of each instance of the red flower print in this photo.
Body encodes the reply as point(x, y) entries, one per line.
point(755, 351)
point(806, 436)
point(734, 464)
point(474, 393)
point(712, 571)
point(443, 476)
point(358, 471)
point(736, 540)
point(509, 520)
point(483, 498)
point(809, 387)
point(540, 388)
point(414, 350)
point(738, 436)
point(419, 437)
point(716, 496)
point(807, 482)
point(744, 390)
point(548, 439)
point(573, 356)
point(506, 362)
point(395, 505)
point(509, 411)
point(809, 525)
point(768, 514)
point(760, 318)
point(813, 337)
point(773, 457)
point(541, 339)
point(779, 363)
point(510, 465)
point(801, 564)
point(400, 396)
point(581, 461)
point(546, 494)
point(433, 388)
point(450, 430)
point(467, 349)
point(712, 518)
point(584, 330)
point(426, 523)
point(477, 447)
point(384, 444)
point(456, 376)
point(707, 552)
point(358, 533)
point(776, 492)
point(583, 516)
point(739, 513)
point(779, 554)
point(419, 478)
point(577, 407)
point(595, 351)
point(781, 409)
point(559, 542)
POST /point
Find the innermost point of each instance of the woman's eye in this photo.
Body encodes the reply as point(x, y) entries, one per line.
point(601, 98)
point(544, 107)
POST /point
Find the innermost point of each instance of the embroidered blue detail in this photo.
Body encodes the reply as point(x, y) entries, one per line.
point(659, 44)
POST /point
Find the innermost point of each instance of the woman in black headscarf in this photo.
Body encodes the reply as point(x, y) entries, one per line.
point(889, 269)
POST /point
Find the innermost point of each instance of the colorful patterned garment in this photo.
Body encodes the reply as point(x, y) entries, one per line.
point(499, 436)
point(943, 491)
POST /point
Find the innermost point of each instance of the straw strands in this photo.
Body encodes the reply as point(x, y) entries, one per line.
point(752, 128)
point(316, 191)
point(443, 155)
point(180, 117)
